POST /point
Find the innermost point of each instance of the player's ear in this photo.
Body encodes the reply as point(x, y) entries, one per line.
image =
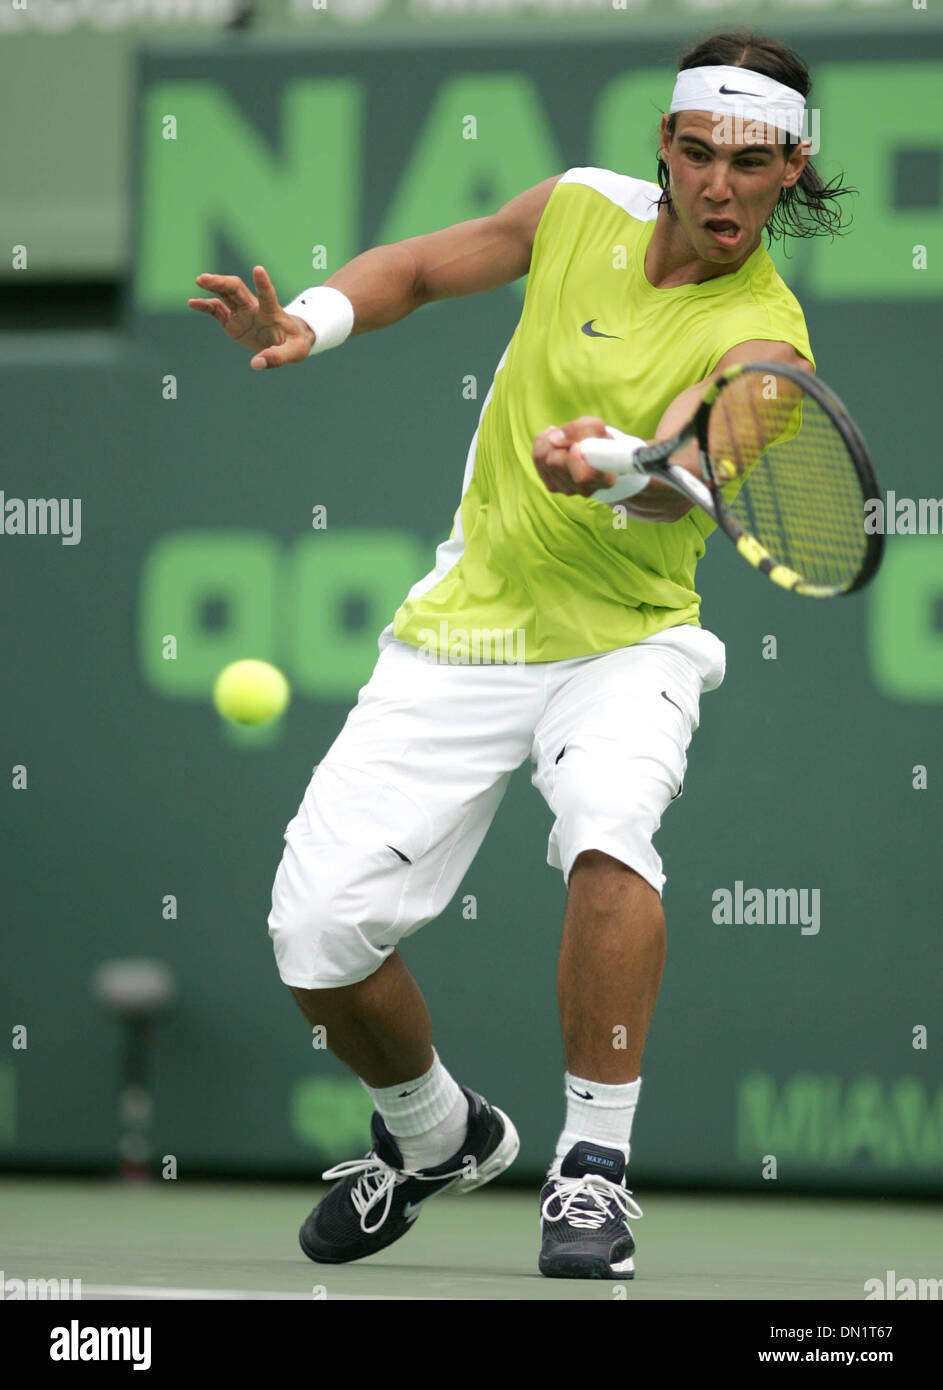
point(665, 138)
point(795, 164)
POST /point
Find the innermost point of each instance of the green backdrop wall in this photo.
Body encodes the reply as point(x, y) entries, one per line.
point(63, 175)
point(198, 479)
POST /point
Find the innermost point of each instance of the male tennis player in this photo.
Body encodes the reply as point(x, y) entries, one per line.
point(636, 297)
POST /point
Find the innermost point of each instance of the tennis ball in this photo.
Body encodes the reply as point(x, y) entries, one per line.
point(250, 692)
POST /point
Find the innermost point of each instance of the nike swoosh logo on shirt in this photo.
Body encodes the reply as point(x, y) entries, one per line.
point(590, 331)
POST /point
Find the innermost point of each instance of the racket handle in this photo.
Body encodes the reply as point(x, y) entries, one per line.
point(611, 455)
point(616, 455)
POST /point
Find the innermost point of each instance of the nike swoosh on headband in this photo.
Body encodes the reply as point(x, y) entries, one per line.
point(736, 92)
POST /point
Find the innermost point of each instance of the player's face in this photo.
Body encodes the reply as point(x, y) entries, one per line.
point(724, 192)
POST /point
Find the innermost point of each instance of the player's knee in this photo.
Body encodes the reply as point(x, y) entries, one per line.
point(600, 860)
point(604, 880)
point(334, 911)
point(609, 834)
point(610, 820)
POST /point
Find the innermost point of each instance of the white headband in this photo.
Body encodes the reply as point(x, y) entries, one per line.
point(730, 91)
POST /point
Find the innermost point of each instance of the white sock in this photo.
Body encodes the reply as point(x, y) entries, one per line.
point(427, 1117)
point(601, 1114)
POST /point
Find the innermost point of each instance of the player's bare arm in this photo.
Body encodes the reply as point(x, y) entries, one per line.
point(387, 282)
point(562, 467)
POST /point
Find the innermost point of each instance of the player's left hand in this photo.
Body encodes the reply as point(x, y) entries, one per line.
point(559, 462)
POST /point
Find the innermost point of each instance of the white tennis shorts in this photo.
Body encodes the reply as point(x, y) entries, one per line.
point(397, 810)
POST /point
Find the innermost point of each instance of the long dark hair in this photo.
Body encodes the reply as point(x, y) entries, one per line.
point(811, 207)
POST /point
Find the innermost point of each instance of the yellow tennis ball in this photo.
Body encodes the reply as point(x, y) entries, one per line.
point(250, 692)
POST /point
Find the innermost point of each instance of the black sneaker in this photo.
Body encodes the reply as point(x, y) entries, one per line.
point(583, 1217)
point(376, 1200)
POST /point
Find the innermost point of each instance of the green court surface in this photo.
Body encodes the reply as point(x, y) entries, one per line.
point(239, 1241)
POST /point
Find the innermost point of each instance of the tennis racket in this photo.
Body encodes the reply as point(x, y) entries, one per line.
point(785, 474)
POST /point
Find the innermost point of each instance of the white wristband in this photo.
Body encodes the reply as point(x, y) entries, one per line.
point(626, 485)
point(327, 312)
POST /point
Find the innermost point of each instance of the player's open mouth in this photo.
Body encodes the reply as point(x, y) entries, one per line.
point(724, 232)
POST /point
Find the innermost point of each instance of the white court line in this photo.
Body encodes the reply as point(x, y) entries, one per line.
point(160, 1291)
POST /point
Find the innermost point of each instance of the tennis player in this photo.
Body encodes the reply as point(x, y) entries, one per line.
point(559, 626)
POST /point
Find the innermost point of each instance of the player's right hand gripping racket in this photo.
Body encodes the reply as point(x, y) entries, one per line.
point(786, 476)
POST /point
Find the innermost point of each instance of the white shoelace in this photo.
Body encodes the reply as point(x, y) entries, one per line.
point(376, 1185)
point(585, 1201)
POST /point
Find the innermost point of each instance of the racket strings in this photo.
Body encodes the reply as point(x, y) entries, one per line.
point(796, 487)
